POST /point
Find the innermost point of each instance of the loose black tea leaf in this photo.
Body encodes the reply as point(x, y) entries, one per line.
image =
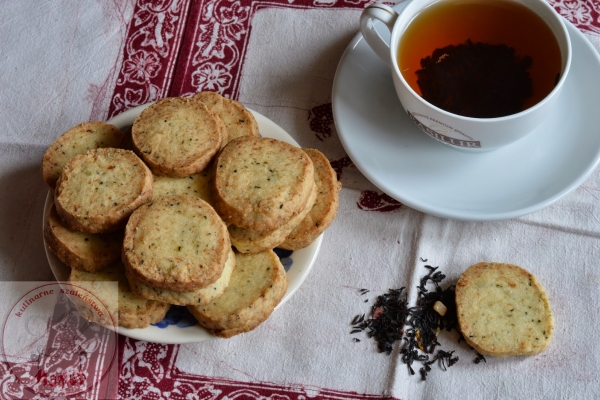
point(388, 315)
point(479, 359)
point(477, 80)
point(392, 320)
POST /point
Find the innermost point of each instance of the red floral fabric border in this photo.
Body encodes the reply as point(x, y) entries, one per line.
point(176, 48)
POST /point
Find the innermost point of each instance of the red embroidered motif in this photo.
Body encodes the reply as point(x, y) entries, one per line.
point(181, 48)
point(150, 53)
point(148, 372)
point(339, 165)
point(584, 14)
point(373, 201)
point(321, 119)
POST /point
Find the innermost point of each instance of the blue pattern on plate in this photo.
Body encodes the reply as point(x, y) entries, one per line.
point(178, 316)
point(285, 257)
point(182, 318)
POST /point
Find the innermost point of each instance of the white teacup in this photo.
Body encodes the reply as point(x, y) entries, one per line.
point(456, 131)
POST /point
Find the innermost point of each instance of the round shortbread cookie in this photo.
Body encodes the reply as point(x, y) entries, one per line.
point(97, 191)
point(257, 285)
point(325, 208)
point(194, 185)
point(129, 309)
point(177, 243)
point(85, 251)
point(261, 183)
point(177, 136)
point(197, 297)
point(248, 242)
point(75, 141)
point(503, 310)
point(238, 120)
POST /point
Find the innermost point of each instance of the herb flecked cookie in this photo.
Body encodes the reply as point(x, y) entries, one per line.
point(325, 208)
point(197, 297)
point(177, 136)
point(257, 286)
point(503, 310)
point(248, 242)
point(261, 183)
point(194, 185)
point(97, 191)
point(238, 120)
point(177, 243)
point(84, 251)
point(77, 140)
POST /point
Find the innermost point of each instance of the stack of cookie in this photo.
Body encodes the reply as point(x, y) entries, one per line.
point(193, 212)
point(96, 188)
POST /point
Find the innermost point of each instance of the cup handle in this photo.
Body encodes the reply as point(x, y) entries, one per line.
point(388, 16)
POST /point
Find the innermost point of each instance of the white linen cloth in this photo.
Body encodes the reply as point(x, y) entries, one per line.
point(60, 64)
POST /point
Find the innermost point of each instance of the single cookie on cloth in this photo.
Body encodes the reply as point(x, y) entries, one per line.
point(325, 208)
point(248, 242)
point(261, 183)
point(197, 297)
point(177, 136)
point(503, 310)
point(177, 243)
point(127, 309)
point(257, 285)
point(238, 120)
point(77, 140)
point(84, 251)
point(97, 191)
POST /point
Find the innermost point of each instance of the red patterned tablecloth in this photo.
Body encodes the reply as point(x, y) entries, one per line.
point(146, 50)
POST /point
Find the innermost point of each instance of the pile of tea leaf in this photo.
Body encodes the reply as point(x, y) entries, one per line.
point(392, 320)
point(477, 80)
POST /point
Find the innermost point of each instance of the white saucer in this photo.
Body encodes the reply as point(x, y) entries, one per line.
point(179, 326)
point(426, 175)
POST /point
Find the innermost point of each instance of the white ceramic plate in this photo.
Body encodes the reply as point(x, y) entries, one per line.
point(179, 326)
point(428, 176)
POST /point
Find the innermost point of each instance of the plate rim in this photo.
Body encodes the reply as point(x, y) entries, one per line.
point(464, 214)
point(193, 334)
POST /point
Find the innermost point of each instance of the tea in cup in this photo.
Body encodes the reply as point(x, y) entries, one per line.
point(474, 74)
